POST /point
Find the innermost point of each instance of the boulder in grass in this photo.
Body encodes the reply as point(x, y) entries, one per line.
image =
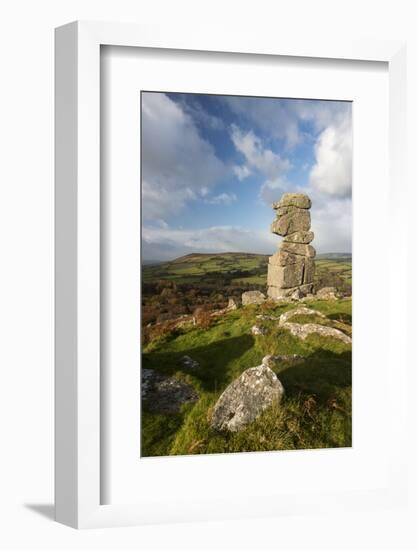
point(285, 317)
point(303, 331)
point(188, 363)
point(258, 330)
point(256, 390)
point(327, 293)
point(165, 394)
point(253, 297)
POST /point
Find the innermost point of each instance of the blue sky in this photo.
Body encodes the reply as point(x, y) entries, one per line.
point(212, 165)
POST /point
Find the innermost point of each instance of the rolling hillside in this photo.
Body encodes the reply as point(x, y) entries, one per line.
point(243, 268)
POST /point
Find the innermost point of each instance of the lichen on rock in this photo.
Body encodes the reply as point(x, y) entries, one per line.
point(256, 389)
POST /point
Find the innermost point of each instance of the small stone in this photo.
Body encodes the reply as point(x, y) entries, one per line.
point(253, 297)
point(258, 330)
point(256, 390)
point(188, 363)
point(232, 305)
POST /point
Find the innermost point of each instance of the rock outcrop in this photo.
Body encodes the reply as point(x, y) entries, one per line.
point(165, 394)
point(291, 269)
point(304, 330)
point(255, 390)
point(327, 293)
point(285, 317)
point(253, 297)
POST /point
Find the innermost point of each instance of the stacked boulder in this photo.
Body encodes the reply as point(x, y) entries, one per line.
point(291, 269)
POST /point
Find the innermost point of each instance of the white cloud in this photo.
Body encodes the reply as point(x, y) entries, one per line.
point(272, 189)
point(257, 155)
point(332, 171)
point(284, 118)
point(178, 165)
point(241, 171)
point(331, 221)
point(223, 198)
point(168, 243)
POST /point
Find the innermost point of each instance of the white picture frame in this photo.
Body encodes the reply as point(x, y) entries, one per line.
point(78, 405)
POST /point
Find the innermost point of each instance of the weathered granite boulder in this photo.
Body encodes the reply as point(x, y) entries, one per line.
point(300, 200)
point(300, 237)
point(255, 390)
point(252, 297)
point(297, 295)
point(283, 258)
point(287, 276)
point(304, 330)
point(279, 294)
point(164, 394)
point(298, 249)
point(285, 317)
point(291, 222)
point(327, 293)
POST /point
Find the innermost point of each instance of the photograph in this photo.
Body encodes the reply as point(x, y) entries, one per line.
point(246, 273)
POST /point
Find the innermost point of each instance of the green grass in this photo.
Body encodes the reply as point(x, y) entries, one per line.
point(316, 411)
point(204, 264)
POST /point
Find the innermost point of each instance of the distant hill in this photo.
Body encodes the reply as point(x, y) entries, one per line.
point(238, 268)
point(196, 266)
point(342, 256)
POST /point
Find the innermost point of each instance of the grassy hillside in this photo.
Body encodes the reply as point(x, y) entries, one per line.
point(237, 268)
point(197, 267)
point(316, 412)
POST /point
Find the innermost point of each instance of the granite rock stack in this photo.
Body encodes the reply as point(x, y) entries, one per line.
point(291, 269)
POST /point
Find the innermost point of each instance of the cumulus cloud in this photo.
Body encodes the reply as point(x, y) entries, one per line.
point(257, 155)
point(178, 165)
point(223, 198)
point(241, 171)
point(262, 160)
point(332, 223)
point(284, 119)
point(332, 171)
point(168, 243)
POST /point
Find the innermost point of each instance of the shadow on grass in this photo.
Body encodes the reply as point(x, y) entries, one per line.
point(215, 361)
point(322, 373)
point(343, 317)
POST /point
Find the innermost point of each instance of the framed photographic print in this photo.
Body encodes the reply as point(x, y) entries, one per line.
point(220, 345)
